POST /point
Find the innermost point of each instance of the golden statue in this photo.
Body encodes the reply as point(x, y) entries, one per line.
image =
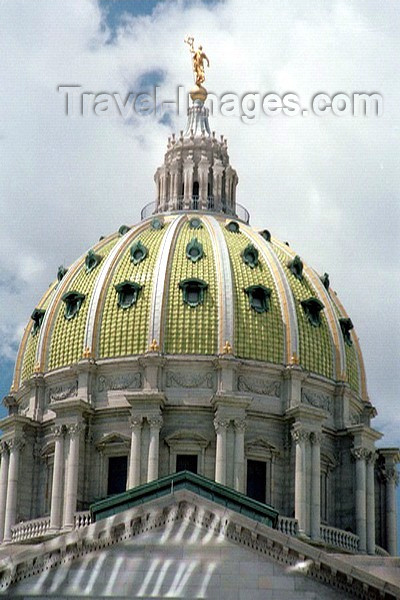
point(198, 58)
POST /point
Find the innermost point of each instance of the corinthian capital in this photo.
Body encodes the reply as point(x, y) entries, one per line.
point(360, 453)
point(75, 429)
point(221, 424)
point(3, 447)
point(155, 422)
point(240, 425)
point(136, 422)
point(58, 431)
point(316, 438)
point(391, 474)
point(15, 443)
point(300, 435)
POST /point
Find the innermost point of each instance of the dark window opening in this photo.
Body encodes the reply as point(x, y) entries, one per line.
point(259, 298)
point(312, 308)
point(37, 317)
point(196, 188)
point(256, 480)
point(117, 473)
point(193, 291)
point(186, 462)
point(73, 302)
point(128, 293)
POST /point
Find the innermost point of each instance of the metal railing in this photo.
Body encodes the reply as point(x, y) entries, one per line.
point(194, 204)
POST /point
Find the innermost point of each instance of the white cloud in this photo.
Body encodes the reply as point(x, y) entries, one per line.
point(328, 185)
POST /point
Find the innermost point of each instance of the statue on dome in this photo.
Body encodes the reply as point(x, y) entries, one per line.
point(198, 59)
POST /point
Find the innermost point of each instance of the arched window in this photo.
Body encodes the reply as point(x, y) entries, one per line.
point(312, 308)
point(193, 291)
point(73, 302)
point(128, 292)
point(259, 297)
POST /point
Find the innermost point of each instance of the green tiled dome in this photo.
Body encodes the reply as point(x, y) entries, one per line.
point(201, 287)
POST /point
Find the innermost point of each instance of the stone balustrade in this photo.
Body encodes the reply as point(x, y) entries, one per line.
point(381, 551)
point(27, 530)
point(288, 525)
point(82, 519)
point(339, 538)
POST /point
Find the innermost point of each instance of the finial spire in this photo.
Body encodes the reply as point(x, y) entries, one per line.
point(198, 57)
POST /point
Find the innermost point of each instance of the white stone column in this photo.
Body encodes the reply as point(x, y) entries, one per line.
point(58, 476)
point(392, 478)
point(72, 474)
point(370, 509)
point(3, 485)
point(221, 426)
point(154, 444)
point(360, 455)
point(315, 514)
point(135, 455)
point(300, 438)
point(14, 446)
point(238, 468)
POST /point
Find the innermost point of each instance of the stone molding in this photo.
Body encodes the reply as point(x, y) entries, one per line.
point(391, 474)
point(221, 424)
point(155, 421)
point(316, 438)
point(74, 429)
point(62, 392)
point(190, 508)
point(318, 400)
point(361, 454)
point(300, 435)
point(258, 385)
point(128, 381)
point(136, 422)
point(58, 431)
point(240, 425)
point(15, 443)
point(189, 380)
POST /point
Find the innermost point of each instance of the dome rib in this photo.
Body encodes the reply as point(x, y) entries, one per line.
point(285, 295)
point(160, 287)
point(96, 305)
point(224, 275)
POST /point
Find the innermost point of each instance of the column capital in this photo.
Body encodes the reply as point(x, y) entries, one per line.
point(136, 422)
point(316, 438)
point(221, 424)
point(15, 443)
point(300, 435)
point(391, 474)
point(360, 453)
point(240, 425)
point(155, 421)
point(58, 431)
point(74, 429)
point(3, 447)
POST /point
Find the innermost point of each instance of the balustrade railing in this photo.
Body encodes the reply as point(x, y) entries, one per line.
point(339, 538)
point(28, 530)
point(288, 525)
point(81, 519)
point(381, 551)
point(194, 204)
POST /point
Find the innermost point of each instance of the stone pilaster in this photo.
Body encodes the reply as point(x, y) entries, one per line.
point(58, 478)
point(315, 503)
point(155, 423)
point(360, 455)
point(370, 502)
point(135, 454)
point(71, 493)
point(14, 446)
point(238, 468)
point(3, 485)
point(392, 479)
point(221, 426)
point(301, 439)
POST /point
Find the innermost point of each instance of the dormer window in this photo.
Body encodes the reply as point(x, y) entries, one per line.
point(193, 291)
point(92, 260)
point(259, 298)
point(346, 326)
point(233, 227)
point(73, 302)
point(195, 223)
point(128, 293)
point(157, 224)
point(123, 230)
point(296, 267)
point(325, 281)
point(37, 318)
point(61, 272)
point(312, 308)
point(138, 252)
point(266, 235)
point(194, 250)
point(250, 256)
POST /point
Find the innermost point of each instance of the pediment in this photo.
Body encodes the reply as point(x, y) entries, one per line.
point(261, 445)
point(113, 438)
point(180, 546)
point(183, 435)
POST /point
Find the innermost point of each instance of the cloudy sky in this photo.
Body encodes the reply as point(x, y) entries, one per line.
point(329, 185)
